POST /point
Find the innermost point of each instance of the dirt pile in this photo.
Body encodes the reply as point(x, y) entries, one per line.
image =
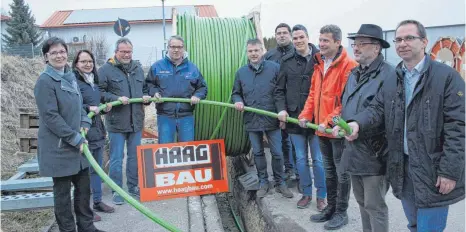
point(18, 78)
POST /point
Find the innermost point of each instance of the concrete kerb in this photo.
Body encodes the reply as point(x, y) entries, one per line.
point(212, 219)
point(195, 212)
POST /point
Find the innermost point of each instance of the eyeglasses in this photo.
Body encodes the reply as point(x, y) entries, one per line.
point(126, 52)
point(84, 62)
point(360, 45)
point(407, 39)
point(176, 47)
point(54, 54)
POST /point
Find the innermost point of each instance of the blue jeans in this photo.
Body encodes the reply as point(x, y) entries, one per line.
point(275, 141)
point(117, 145)
point(421, 219)
point(96, 182)
point(168, 126)
point(301, 143)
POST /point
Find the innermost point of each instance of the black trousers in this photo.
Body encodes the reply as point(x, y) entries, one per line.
point(337, 180)
point(82, 196)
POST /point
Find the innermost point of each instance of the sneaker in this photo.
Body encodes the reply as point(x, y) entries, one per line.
point(304, 202)
point(102, 207)
point(96, 218)
point(323, 216)
point(117, 199)
point(321, 204)
point(134, 192)
point(263, 190)
point(338, 220)
point(284, 191)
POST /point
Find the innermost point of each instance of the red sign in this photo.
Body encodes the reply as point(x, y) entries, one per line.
point(181, 169)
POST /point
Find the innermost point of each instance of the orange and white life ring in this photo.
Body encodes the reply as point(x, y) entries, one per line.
point(460, 61)
point(446, 50)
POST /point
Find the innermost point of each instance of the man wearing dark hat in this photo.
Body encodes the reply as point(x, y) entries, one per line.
point(365, 158)
point(422, 108)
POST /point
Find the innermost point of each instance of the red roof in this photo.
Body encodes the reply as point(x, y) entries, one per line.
point(207, 11)
point(58, 17)
point(5, 18)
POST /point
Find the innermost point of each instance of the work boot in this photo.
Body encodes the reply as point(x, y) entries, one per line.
point(102, 207)
point(324, 216)
point(321, 204)
point(263, 190)
point(304, 202)
point(284, 191)
point(338, 220)
point(96, 218)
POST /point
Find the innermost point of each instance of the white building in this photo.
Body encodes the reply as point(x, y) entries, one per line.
point(77, 27)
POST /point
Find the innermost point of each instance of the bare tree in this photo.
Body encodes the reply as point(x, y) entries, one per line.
point(96, 43)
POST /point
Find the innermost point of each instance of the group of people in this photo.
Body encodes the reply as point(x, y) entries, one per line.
point(407, 123)
point(65, 95)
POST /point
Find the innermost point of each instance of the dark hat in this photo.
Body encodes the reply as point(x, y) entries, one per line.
point(371, 31)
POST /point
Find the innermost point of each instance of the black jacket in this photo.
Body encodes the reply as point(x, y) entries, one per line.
point(115, 81)
point(182, 81)
point(294, 82)
point(277, 54)
point(255, 88)
point(92, 97)
point(435, 127)
point(367, 154)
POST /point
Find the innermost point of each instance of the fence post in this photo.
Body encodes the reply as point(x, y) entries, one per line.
point(32, 48)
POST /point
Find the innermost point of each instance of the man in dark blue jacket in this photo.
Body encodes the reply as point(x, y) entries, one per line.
point(254, 87)
point(175, 76)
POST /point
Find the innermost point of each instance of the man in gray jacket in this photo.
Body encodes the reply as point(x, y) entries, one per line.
point(120, 79)
point(365, 158)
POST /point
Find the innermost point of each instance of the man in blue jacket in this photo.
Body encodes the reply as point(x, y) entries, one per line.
point(175, 76)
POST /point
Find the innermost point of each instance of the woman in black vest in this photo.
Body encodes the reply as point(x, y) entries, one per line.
point(86, 74)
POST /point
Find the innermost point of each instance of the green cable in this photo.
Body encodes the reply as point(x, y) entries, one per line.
point(337, 120)
point(217, 47)
point(133, 201)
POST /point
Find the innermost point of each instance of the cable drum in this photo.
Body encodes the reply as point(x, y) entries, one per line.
point(218, 47)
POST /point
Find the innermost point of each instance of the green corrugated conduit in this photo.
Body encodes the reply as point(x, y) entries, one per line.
point(218, 47)
point(136, 204)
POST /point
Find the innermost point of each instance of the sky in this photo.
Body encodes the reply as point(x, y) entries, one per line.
point(347, 14)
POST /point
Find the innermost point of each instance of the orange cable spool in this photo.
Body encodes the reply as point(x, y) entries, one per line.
point(460, 60)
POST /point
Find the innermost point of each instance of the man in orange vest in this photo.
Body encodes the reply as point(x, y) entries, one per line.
point(333, 65)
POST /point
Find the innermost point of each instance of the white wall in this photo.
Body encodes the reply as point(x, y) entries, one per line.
point(147, 38)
